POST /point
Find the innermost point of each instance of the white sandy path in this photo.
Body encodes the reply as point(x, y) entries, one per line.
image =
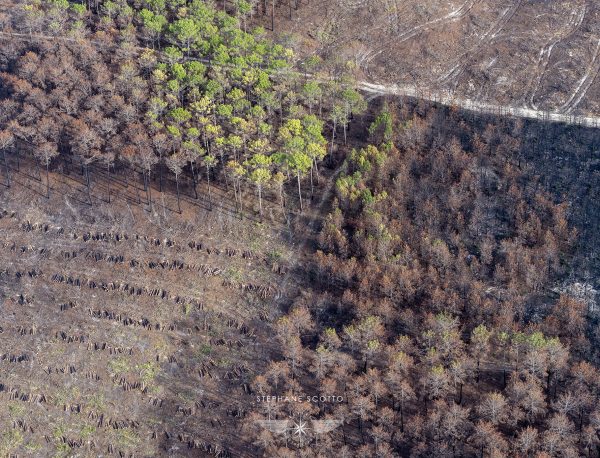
point(449, 99)
point(584, 84)
point(486, 38)
point(452, 16)
point(575, 21)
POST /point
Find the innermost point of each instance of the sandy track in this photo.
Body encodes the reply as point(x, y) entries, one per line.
point(584, 83)
point(455, 15)
point(485, 39)
point(575, 21)
point(447, 98)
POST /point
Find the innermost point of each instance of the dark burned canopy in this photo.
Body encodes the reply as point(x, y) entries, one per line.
point(430, 307)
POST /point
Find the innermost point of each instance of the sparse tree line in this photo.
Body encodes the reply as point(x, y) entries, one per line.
point(210, 102)
point(432, 313)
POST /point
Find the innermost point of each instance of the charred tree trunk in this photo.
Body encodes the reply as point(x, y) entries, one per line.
point(300, 193)
point(208, 183)
point(148, 189)
point(160, 174)
point(87, 183)
point(7, 170)
point(194, 183)
point(47, 180)
point(177, 187)
point(108, 181)
point(273, 16)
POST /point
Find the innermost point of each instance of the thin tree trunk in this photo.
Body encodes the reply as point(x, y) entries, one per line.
point(260, 210)
point(108, 182)
point(160, 173)
point(177, 186)
point(47, 180)
point(281, 197)
point(7, 170)
point(137, 191)
point(299, 192)
point(235, 194)
point(401, 417)
point(333, 135)
point(194, 182)
point(241, 194)
point(223, 170)
point(208, 182)
point(149, 190)
point(87, 182)
point(147, 186)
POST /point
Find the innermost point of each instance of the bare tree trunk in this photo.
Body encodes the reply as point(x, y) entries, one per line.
point(87, 182)
point(300, 192)
point(177, 186)
point(108, 180)
point(401, 416)
point(241, 199)
point(160, 174)
point(137, 191)
point(208, 182)
point(333, 135)
point(47, 180)
point(281, 202)
point(7, 170)
point(194, 184)
point(235, 193)
point(273, 16)
point(260, 210)
point(147, 186)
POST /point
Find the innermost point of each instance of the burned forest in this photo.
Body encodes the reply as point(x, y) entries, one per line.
point(231, 229)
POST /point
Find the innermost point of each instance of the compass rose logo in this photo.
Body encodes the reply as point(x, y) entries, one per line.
point(300, 429)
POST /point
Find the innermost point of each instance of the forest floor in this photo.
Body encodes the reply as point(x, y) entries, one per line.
point(129, 329)
point(125, 330)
